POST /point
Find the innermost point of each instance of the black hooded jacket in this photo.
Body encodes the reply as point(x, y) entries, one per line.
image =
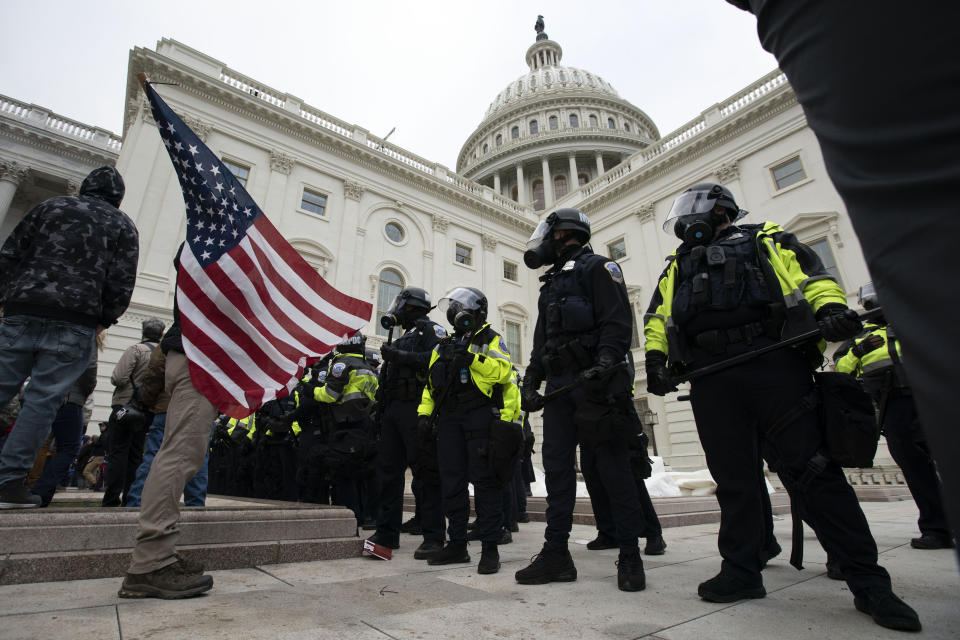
point(73, 258)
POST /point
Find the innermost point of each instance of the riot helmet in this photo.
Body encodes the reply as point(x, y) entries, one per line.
point(693, 216)
point(373, 358)
point(355, 344)
point(152, 329)
point(465, 308)
point(410, 304)
point(867, 296)
point(542, 248)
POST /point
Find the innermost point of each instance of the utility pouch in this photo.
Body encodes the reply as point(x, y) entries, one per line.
point(848, 420)
point(504, 449)
point(600, 422)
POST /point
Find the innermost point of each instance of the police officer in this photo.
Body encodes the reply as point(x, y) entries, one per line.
point(730, 290)
point(276, 446)
point(349, 388)
point(875, 358)
point(401, 387)
point(312, 419)
point(465, 392)
point(583, 333)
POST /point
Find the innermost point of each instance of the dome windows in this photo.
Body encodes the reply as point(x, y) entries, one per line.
point(559, 186)
point(533, 83)
point(563, 76)
point(611, 124)
point(534, 127)
point(553, 123)
point(514, 132)
point(594, 123)
point(486, 147)
point(626, 126)
point(499, 140)
point(590, 81)
point(547, 79)
point(574, 121)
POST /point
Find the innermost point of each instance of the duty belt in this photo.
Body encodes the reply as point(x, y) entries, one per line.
point(465, 400)
point(716, 340)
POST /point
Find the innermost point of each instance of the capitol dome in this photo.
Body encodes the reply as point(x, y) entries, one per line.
point(563, 123)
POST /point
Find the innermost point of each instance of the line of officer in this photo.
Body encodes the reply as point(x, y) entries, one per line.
point(875, 358)
point(349, 388)
point(583, 333)
point(401, 387)
point(465, 392)
point(729, 290)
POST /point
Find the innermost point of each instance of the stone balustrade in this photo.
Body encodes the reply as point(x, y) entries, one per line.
point(60, 125)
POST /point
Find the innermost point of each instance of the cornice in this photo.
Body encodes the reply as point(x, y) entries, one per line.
point(62, 147)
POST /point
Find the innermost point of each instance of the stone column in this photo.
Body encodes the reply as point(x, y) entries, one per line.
point(573, 182)
point(521, 187)
point(281, 165)
point(599, 164)
point(547, 183)
point(488, 262)
point(441, 256)
point(496, 182)
point(349, 269)
point(11, 175)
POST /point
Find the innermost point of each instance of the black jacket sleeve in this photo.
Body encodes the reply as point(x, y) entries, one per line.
point(611, 309)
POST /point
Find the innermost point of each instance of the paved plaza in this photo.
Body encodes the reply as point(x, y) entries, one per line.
point(363, 598)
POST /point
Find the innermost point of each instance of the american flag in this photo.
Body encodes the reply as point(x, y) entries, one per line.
point(253, 313)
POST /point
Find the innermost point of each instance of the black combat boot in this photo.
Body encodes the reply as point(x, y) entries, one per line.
point(630, 576)
point(489, 559)
point(768, 553)
point(931, 541)
point(427, 549)
point(505, 536)
point(384, 540)
point(452, 553)
point(887, 609)
point(726, 588)
point(602, 541)
point(656, 546)
point(550, 565)
point(412, 526)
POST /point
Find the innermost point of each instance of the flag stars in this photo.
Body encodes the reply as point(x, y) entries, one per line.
point(219, 186)
point(215, 170)
point(193, 150)
point(170, 128)
point(205, 255)
point(178, 146)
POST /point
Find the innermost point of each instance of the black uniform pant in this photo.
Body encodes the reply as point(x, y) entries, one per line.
point(603, 512)
point(276, 469)
point(851, 83)
point(733, 408)
point(908, 446)
point(400, 448)
point(610, 459)
point(312, 478)
point(124, 452)
point(462, 441)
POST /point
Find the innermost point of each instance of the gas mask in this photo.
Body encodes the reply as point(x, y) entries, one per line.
point(462, 320)
point(699, 229)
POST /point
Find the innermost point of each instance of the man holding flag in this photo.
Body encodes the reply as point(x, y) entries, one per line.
point(249, 315)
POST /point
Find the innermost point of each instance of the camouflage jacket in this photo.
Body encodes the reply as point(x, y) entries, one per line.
point(73, 258)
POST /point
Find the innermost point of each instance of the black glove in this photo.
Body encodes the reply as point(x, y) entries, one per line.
point(389, 352)
point(530, 398)
point(604, 363)
point(838, 322)
point(279, 426)
point(463, 360)
point(659, 381)
point(868, 344)
point(425, 427)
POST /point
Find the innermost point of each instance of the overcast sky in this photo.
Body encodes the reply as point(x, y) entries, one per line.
point(428, 68)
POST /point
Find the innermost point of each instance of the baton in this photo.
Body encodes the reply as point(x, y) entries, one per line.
point(605, 373)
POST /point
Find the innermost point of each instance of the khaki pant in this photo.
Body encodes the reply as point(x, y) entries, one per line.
point(90, 470)
point(185, 438)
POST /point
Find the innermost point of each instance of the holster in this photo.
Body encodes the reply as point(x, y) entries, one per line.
point(599, 422)
point(504, 449)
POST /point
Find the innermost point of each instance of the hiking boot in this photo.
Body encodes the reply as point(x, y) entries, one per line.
point(412, 526)
point(15, 494)
point(188, 567)
point(427, 549)
point(384, 541)
point(550, 565)
point(505, 536)
point(887, 609)
point(489, 559)
point(452, 553)
point(630, 576)
point(602, 541)
point(770, 552)
point(168, 583)
point(930, 541)
point(656, 546)
point(721, 588)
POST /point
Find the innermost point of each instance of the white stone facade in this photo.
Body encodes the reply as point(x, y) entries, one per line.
point(389, 215)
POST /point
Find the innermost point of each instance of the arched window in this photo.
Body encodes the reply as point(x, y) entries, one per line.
point(538, 201)
point(582, 179)
point(534, 127)
point(514, 133)
point(559, 186)
point(391, 283)
point(611, 124)
point(513, 193)
point(593, 121)
point(499, 139)
point(626, 126)
point(574, 120)
point(553, 122)
point(485, 147)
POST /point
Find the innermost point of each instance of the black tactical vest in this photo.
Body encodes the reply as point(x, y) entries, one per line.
point(570, 327)
point(404, 382)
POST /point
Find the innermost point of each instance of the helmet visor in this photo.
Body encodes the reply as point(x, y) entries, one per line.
point(461, 298)
point(538, 234)
point(693, 204)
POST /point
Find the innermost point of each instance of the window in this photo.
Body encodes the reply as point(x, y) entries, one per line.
point(313, 202)
point(514, 133)
point(534, 127)
point(822, 247)
point(582, 179)
point(611, 124)
point(626, 126)
point(464, 254)
point(391, 284)
point(513, 193)
point(512, 338)
point(499, 139)
point(510, 270)
point(394, 231)
point(593, 121)
point(559, 186)
point(553, 122)
point(538, 202)
point(485, 147)
point(788, 173)
point(574, 120)
point(617, 249)
point(239, 172)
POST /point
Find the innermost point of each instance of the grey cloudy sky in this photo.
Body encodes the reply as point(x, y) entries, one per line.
point(428, 68)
